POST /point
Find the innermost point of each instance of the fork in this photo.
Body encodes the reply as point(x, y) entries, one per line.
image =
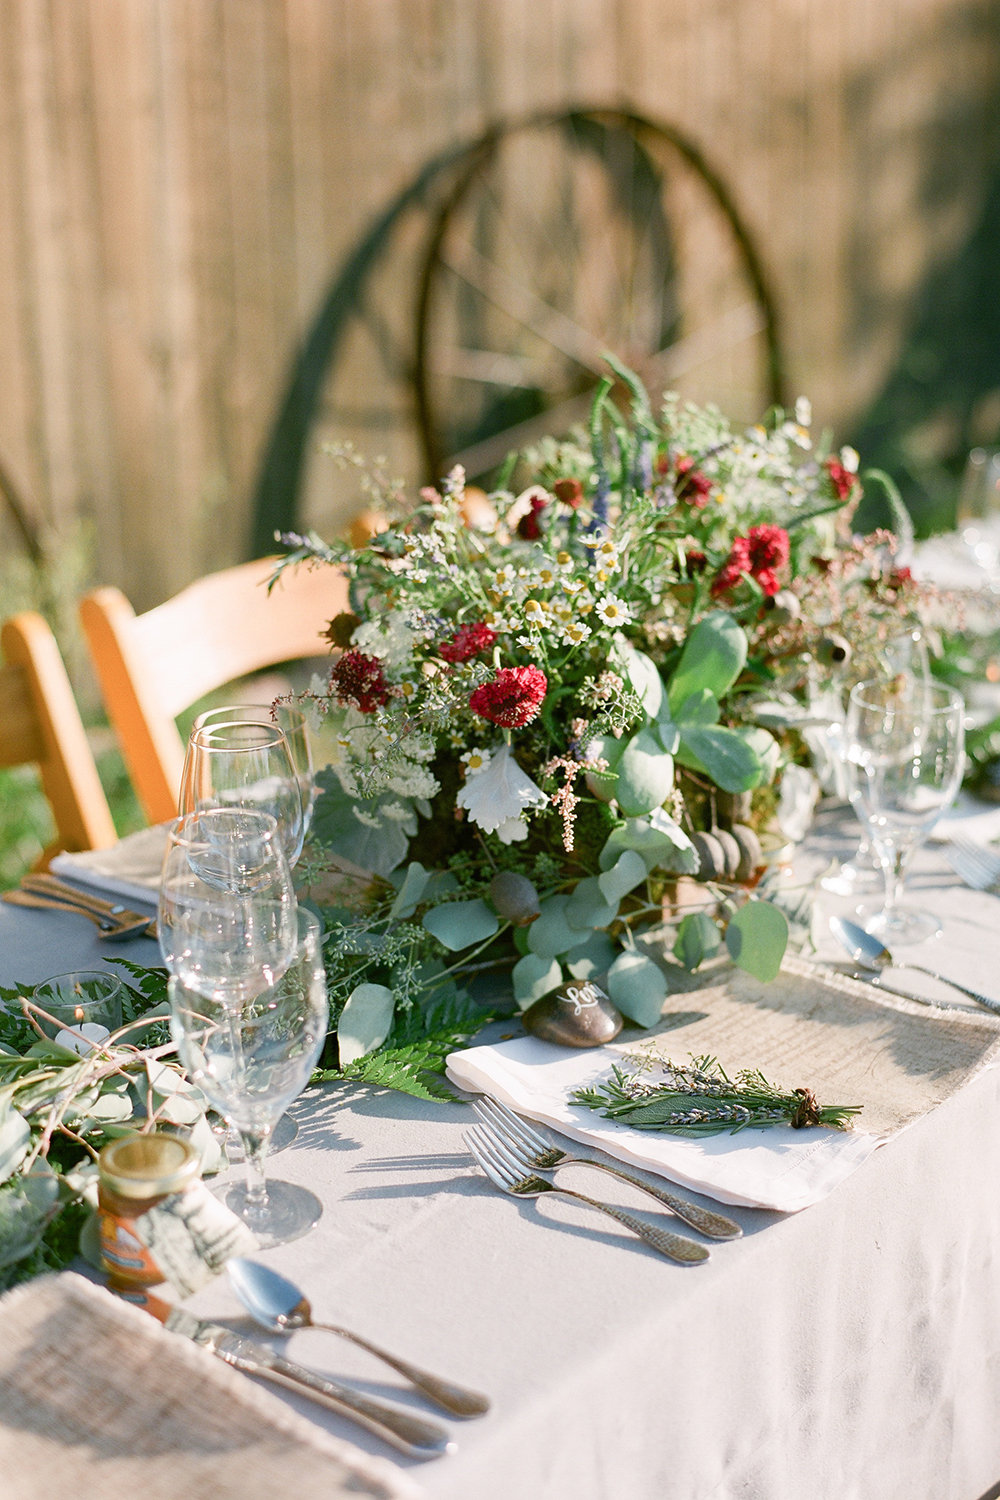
point(974, 864)
point(538, 1151)
point(111, 929)
point(506, 1173)
point(44, 884)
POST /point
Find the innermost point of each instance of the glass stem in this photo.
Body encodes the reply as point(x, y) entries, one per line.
point(894, 869)
point(255, 1145)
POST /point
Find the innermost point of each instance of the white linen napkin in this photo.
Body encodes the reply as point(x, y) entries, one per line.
point(130, 868)
point(968, 818)
point(780, 1168)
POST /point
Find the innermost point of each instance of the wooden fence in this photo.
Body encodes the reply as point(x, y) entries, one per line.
point(181, 179)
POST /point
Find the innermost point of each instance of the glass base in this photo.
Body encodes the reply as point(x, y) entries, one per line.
point(288, 1212)
point(906, 924)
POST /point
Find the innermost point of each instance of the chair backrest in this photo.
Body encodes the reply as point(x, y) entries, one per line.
point(40, 723)
point(153, 666)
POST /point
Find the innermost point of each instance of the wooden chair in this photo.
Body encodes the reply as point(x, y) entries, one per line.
point(40, 723)
point(153, 666)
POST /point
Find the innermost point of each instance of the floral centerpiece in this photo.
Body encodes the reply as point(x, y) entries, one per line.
point(549, 704)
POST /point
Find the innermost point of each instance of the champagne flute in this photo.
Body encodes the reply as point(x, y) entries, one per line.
point(251, 1060)
point(244, 764)
point(978, 509)
point(226, 904)
point(905, 742)
point(292, 723)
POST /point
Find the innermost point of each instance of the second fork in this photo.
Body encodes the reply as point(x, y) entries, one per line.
point(510, 1177)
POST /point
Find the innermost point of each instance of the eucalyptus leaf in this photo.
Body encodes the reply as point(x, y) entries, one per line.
point(15, 1139)
point(25, 1207)
point(697, 939)
point(588, 906)
point(593, 957)
point(460, 924)
point(552, 932)
point(713, 656)
point(700, 708)
point(534, 976)
point(638, 987)
point(645, 775)
point(723, 755)
point(372, 833)
point(364, 1022)
point(658, 841)
point(624, 875)
point(411, 891)
point(644, 677)
point(756, 938)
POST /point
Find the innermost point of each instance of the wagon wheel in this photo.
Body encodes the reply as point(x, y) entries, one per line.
point(566, 235)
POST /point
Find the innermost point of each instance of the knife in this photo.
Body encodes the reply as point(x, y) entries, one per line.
point(411, 1434)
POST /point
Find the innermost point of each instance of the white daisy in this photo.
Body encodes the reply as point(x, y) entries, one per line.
point(613, 611)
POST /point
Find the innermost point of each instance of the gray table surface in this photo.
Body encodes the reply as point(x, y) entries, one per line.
point(851, 1351)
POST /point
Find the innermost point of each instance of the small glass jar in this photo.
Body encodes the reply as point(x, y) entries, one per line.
point(137, 1172)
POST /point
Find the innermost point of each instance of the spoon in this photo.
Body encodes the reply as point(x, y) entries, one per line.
point(278, 1305)
point(870, 953)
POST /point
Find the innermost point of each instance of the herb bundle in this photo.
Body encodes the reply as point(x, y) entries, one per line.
point(700, 1099)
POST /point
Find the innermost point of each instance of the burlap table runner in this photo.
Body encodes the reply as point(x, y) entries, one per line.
point(98, 1400)
point(850, 1042)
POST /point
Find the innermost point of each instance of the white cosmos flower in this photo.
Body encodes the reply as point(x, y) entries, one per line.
point(496, 797)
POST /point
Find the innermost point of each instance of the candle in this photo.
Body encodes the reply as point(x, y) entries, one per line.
point(83, 1038)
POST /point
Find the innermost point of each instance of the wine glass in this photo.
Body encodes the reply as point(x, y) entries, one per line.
point(978, 509)
point(247, 764)
point(251, 1059)
point(226, 904)
point(905, 742)
point(292, 723)
point(903, 652)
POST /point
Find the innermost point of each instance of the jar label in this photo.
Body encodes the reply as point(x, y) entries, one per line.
point(123, 1252)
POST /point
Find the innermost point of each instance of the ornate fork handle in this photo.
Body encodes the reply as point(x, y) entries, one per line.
point(673, 1246)
point(963, 989)
point(716, 1226)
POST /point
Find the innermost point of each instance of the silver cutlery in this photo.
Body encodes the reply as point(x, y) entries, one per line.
point(111, 929)
point(540, 1153)
point(507, 1174)
point(410, 1433)
point(870, 953)
point(975, 865)
point(44, 884)
point(279, 1306)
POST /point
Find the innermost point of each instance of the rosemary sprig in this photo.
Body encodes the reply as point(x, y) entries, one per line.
point(699, 1099)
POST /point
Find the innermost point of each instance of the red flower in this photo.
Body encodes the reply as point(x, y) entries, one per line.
point(768, 548)
point(733, 569)
point(694, 487)
point(467, 642)
point(760, 553)
point(359, 679)
point(569, 491)
point(512, 699)
point(529, 527)
point(842, 479)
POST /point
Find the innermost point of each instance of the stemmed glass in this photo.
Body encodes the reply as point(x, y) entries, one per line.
point(226, 905)
point(978, 510)
point(905, 744)
point(902, 654)
point(251, 1059)
point(292, 723)
point(241, 763)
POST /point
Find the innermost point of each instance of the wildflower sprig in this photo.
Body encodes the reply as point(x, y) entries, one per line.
point(699, 1098)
